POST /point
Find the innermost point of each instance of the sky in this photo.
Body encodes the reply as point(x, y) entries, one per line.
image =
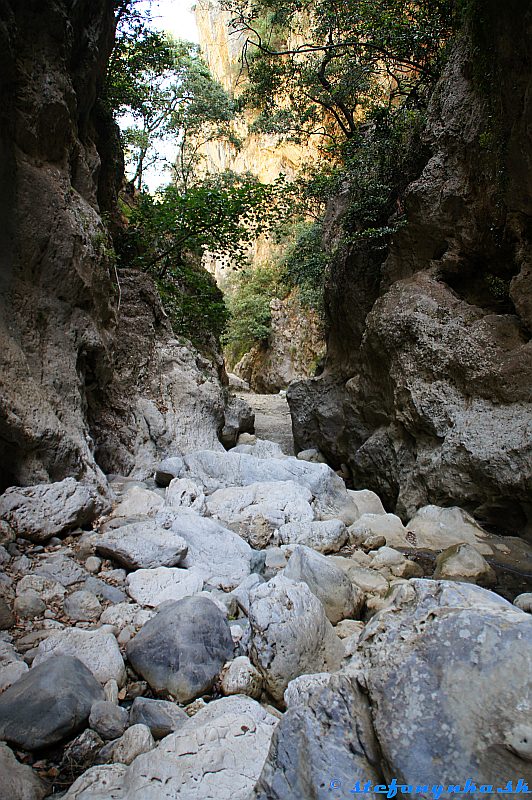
point(175, 17)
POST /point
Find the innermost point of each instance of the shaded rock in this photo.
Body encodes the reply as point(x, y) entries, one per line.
point(93, 564)
point(239, 418)
point(183, 493)
point(326, 536)
point(82, 605)
point(29, 605)
point(11, 672)
point(98, 651)
point(62, 569)
point(462, 562)
point(169, 469)
point(320, 725)
point(183, 648)
point(40, 512)
point(312, 455)
point(220, 555)
point(142, 545)
point(368, 580)
point(138, 502)
point(135, 741)
point(160, 716)
point(17, 781)
point(440, 652)
point(81, 753)
point(108, 719)
point(435, 528)
point(340, 598)
point(52, 701)
point(48, 590)
point(241, 677)
point(104, 590)
point(243, 590)
point(291, 634)
point(151, 587)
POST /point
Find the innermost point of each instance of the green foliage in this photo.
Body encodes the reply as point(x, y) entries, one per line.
point(305, 262)
point(249, 293)
point(322, 66)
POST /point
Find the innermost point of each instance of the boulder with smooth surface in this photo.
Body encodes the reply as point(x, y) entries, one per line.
point(98, 650)
point(142, 545)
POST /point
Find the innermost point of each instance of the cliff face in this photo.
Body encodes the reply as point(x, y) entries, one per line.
point(65, 314)
point(427, 389)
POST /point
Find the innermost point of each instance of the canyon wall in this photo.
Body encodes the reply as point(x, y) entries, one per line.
point(68, 393)
point(426, 393)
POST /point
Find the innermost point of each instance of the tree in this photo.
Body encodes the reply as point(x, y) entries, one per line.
point(162, 87)
point(318, 67)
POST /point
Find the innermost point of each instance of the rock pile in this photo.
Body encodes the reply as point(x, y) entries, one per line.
point(239, 611)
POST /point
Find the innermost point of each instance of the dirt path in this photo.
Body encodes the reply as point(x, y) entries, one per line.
point(272, 419)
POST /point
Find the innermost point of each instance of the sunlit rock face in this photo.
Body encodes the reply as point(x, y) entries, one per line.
point(426, 394)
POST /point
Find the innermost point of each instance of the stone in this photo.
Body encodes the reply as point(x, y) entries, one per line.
point(138, 502)
point(435, 528)
point(7, 534)
point(243, 590)
point(160, 716)
point(183, 648)
point(319, 723)
point(99, 783)
point(274, 502)
point(29, 605)
point(61, 569)
point(463, 562)
point(260, 448)
point(241, 677)
point(311, 455)
point(108, 720)
point(239, 418)
point(339, 597)
point(10, 673)
point(368, 580)
point(98, 651)
point(440, 651)
point(151, 587)
point(183, 493)
point(366, 501)
point(48, 703)
point(104, 591)
point(126, 614)
point(81, 753)
point(134, 742)
point(18, 781)
point(217, 754)
point(215, 471)
point(93, 564)
point(220, 555)
point(327, 536)
point(387, 525)
point(291, 634)
point(524, 602)
point(111, 691)
point(347, 628)
point(142, 545)
point(169, 469)
point(40, 512)
point(49, 591)
point(82, 605)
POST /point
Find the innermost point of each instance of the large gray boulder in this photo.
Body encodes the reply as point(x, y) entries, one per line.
point(218, 754)
point(326, 536)
point(142, 545)
point(183, 648)
point(448, 673)
point(49, 703)
point(332, 728)
point(276, 502)
point(462, 562)
point(340, 598)
point(215, 470)
point(291, 634)
point(160, 716)
point(221, 556)
point(152, 587)
point(50, 509)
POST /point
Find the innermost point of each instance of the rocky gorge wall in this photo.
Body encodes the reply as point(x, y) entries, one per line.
point(426, 393)
point(90, 373)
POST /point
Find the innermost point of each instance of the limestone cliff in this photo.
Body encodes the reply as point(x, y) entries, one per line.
point(427, 389)
point(68, 393)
